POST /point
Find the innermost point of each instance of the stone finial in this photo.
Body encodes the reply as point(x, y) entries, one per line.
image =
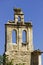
point(17, 9)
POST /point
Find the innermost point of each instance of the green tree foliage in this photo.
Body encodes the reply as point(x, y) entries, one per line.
point(6, 61)
point(21, 64)
point(1, 59)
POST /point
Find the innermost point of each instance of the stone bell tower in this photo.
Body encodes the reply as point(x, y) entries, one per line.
point(21, 50)
point(19, 26)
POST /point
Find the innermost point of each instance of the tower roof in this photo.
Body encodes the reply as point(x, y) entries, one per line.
point(17, 9)
point(38, 52)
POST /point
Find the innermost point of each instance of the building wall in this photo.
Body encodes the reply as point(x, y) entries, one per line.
point(19, 52)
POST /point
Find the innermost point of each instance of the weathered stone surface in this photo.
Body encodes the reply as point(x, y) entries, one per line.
point(19, 52)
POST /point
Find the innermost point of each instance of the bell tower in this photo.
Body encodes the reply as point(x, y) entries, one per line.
point(23, 32)
point(21, 50)
point(18, 15)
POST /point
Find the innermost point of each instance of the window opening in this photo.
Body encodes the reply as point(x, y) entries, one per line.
point(24, 37)
point(19, 18)
point(14, 37)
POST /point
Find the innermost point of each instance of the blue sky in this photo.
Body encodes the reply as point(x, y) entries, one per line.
point(33, 10)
